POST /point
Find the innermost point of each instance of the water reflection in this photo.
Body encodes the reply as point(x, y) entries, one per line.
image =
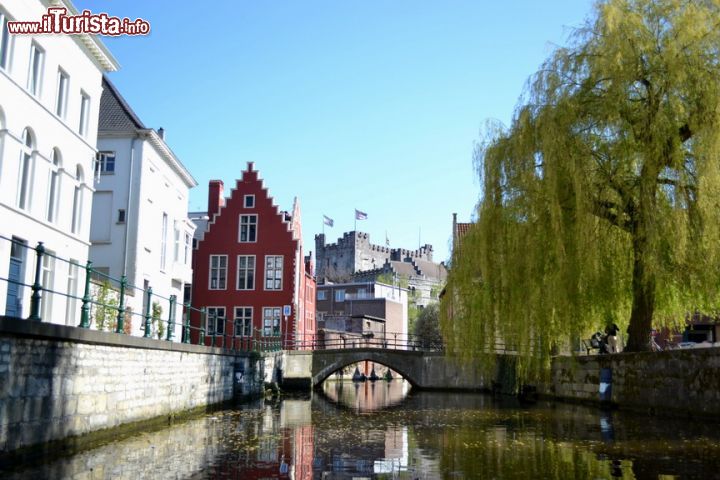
point(430, 435)
point(366, 396)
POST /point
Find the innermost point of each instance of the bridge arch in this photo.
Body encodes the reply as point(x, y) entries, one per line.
point(406, 363)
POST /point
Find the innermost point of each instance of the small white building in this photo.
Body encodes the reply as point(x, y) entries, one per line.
point(50, 88)
point(140, 225)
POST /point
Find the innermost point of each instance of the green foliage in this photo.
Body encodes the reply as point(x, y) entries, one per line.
point(427, 327)
point(106, 304)
point(386, 278)
point(602, 199)
point(158, 326)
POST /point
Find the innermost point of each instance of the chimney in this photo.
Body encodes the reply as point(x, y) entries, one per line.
point(454, 231)
point(161, 133)
point(215, 197)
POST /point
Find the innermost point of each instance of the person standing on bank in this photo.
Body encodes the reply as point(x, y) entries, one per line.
point(611, 330)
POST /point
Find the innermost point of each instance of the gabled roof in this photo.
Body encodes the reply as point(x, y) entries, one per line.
point(118, 119)
point(462, 229)
point(115, 114)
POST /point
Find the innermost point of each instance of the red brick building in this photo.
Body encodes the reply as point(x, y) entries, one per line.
point(248, 268)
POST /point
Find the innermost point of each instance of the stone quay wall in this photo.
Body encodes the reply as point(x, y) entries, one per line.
point(58, 382)
point(682, 382)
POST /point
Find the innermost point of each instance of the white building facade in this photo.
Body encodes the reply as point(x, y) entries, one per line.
point(50, 89)
point(140, 225)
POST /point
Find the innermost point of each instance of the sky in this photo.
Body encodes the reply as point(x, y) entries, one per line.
point(374, 105)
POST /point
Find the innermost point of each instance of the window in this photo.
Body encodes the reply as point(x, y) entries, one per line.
point(215, 325)
point(37, 58)
point(176, 247)
point(218, 272)
point(121, 215)
point(48, 285)
point(4, 42)
point(163, 242)
point(243, 321)
point(322, 295)
point(105, 163)
point(53, 184)
point(84, 114)
point(249, 201)
point(271, 321)
point(26, 151)
point(246, 272)
point(72, 283)
point(273, 272)
point(248, 228)
point(77, 201)
point(340, 295)
point(188, 246)
point(62, 93)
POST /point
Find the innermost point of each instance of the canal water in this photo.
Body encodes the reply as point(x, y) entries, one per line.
point(384, 430)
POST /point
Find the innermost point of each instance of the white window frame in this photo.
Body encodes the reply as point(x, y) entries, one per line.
point(84, 125)
point(246, 271)
point(48, 283)
point(188, 247)
point(244, 320)
point(272, 322)
point(35, 69)
point(61, 98)
point(219, 269)
point(176, 246)
point(211, 319)
point(6, 42)
point(102, 161)
point(53, 191)
point(163, 241)
point(76, 224)
point(26, 170)
point(72, 285)
point(272, 273)
point(249, 199)
point(339, 295)
point(322, 294)
point(247, 224)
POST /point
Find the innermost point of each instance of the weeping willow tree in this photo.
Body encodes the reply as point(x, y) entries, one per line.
point(601, 201)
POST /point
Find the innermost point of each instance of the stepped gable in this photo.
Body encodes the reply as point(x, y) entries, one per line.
point(435, 271)
point(403, 268)
point(249, 183)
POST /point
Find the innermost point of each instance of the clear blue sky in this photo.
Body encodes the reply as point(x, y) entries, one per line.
point(368, 104)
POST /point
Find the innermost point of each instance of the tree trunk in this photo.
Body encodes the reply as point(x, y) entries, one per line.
point(643, 279)
point(643, 306)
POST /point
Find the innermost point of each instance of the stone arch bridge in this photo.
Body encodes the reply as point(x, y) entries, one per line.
point(307, 369)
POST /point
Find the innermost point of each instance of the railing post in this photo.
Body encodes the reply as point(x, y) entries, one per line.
point(203, 320)
point(186, 335)
point(148, 314)
point(36, 297)
point(85, 309)
point(121, 308)
point(171, 318)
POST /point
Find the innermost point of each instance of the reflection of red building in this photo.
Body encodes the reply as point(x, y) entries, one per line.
point(249, 272)
point(303, 452)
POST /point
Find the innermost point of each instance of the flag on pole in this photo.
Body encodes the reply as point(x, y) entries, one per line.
point(360, 215)
point(328, 221)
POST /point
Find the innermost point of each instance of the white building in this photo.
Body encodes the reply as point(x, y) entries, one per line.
point(50, 88)
point(140, 225)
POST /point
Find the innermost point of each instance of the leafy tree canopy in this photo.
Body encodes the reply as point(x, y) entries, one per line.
point(601, 200)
